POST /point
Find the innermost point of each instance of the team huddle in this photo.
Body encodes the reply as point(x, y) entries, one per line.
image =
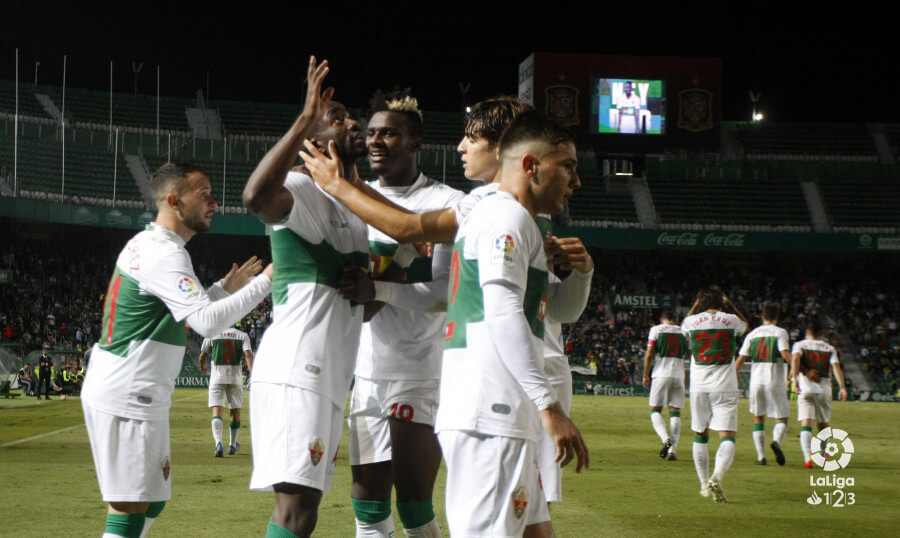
point(442, 310)
point(708, 335)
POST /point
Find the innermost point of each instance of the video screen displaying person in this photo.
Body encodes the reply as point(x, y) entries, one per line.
point(628, 106)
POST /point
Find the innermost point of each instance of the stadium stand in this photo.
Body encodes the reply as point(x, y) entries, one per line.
point(136, 111)
point(266, 119)
point(862, 203)
point(89, 171)
point(28, 105)
point(803, 141)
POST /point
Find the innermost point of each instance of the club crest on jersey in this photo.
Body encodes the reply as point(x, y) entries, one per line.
point(166, 468)
point(542, 308)
point(188, 289)
point(316, 451)
point(504, 245)
point(520, 502)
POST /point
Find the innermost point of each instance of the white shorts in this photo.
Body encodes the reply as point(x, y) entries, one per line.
point(714, 410)
point(231, 396)
point(551, 473)
point(667, 391)
point(132, 457)
point(769, 400)
point(373, 401)
point(295, 434)
point(493, 486)
point(814, 406)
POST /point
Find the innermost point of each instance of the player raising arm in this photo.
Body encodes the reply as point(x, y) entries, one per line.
point(128, 391)
point(304, 364)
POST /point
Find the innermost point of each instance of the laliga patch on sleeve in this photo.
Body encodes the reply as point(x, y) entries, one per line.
point(188, 289)
point(504, 245)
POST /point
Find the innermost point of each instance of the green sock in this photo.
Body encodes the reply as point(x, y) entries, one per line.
point(758, 426)
point(371, 511)
point(277, 531)
point(415, 514)
point(698, 439)
point(674, 414)
point(128, 525)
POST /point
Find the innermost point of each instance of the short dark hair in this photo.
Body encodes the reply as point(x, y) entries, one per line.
point(168, 176)
point(815, 327)
point(490, 117)
point(669, 315)
point(534, 125)
point(770, 312)
point(399, 101)
point(710, 298)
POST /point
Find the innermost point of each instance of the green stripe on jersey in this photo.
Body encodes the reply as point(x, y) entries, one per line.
point(298, 260)
point(129, 316)
point(465, 299)
point(764, 349)
point(226, 351)
point(381, 254)
point(545, 225)
point(671, 345)
point(713, 347)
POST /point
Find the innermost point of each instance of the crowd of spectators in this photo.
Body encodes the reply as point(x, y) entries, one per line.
point(59, 283)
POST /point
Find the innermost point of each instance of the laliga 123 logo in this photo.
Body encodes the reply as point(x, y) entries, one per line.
point(503, 247)
point(831, 449)
point(187, 288)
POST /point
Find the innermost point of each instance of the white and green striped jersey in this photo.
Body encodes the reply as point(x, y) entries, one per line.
point(226, 351)
point(764, 345)
point(817, 355)
point(713, 341)
point(314, 336)
point(407, 344)
point(671, 350)
point(152, 290)
point(498, 242)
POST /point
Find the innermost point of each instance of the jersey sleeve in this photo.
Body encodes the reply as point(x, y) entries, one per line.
point(740, 326)
point(653, 336)
point(464, 206)
point(834, 356)
point(503, 252)
point(171, 278)
point(245, 338)
point(745, 347)
point(308, 208)
point(206, 345)
point(784, 342)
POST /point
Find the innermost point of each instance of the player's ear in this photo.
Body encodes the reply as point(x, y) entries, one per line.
point(172, 200)
point(529, 165)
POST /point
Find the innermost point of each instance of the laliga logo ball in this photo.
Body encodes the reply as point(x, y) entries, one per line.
point(831, 449)
point(65, 397)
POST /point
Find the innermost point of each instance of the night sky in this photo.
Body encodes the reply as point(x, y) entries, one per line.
point(809, 66)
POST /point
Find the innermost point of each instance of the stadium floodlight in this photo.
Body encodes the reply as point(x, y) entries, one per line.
point(758, 116)
point(468, 109)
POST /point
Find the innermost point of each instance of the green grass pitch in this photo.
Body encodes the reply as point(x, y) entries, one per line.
point(48, 487)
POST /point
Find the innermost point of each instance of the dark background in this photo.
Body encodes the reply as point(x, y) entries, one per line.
point(811, 64)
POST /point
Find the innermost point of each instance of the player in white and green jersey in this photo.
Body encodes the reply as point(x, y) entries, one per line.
point(226, 382)
point(494, 393)
point(305, 361)
point(566, 301)
point(712, 335)
point(768, 381)
point(667, 343)
point(811, 361)
point(153, 292)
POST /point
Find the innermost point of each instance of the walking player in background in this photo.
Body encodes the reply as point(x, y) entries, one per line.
point(768, 347)
point(226, 382)
point(712, 335)
point(667, 343)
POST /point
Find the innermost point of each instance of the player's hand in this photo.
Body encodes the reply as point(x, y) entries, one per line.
point(355, 285)
point(238, 277)
point(813, 376)
point(568, 440)
point(269, 271)
point(424, 248)
point(646, 381)
point(570, 254)
point(842, 395)
point(327, 170)
point(316, 99)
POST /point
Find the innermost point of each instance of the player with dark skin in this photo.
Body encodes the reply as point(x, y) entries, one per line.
point(326, 123)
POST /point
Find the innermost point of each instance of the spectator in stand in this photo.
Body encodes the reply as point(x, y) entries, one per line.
point(25, 381)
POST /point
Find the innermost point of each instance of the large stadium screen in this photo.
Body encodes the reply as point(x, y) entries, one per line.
point(628, 106)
